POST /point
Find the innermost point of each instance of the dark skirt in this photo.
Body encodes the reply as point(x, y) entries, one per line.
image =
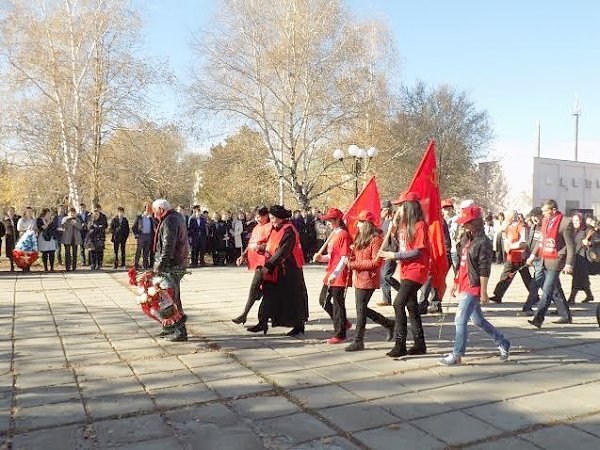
point(581, 273)
point(286, 301)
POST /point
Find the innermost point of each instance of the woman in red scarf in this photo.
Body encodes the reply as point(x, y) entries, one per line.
point(336, 278)
point(413, 254)
point(366, 268)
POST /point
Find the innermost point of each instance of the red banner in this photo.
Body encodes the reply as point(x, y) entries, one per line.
point(368, 199)
point(426, 183)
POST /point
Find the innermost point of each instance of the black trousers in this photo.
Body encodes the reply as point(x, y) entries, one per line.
point(406, 299)
point(59, 246)
point(144, 249)
point(96, 258)
point(362, 297)
point(70, 257)
point(48, 257)
point(255, 293)
point(332, 299)
point(507, 275)
point(119, 247)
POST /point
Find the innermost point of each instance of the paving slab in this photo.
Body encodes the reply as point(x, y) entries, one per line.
point(294, 429)
point(561, 437)
point(399, 436)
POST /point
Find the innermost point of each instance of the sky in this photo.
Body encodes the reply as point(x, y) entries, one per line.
point(521, 61)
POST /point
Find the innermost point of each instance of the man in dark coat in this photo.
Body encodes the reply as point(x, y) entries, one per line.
point(198, 233)
point(84, 218)
point(11, 233)
point(171, 248)
point(119, 227)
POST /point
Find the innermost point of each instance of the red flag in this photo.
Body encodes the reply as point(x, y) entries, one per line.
point(426, 183)
point(367, 199)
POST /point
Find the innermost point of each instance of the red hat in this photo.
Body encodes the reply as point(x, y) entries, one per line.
point(469, 213)
point(366, 215)
point(333, 213)
point(447, 203)
point(407, 196)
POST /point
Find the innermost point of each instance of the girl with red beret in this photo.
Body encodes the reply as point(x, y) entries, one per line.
point(337, 275)
point(366, 268)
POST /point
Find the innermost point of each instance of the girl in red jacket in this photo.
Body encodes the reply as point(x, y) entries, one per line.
point(336, 276)
point(366, 268)
point(413, 255)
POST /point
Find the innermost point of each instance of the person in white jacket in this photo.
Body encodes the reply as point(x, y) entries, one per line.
point(237, 229)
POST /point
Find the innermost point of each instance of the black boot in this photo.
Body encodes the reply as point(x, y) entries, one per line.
point(357, 345)
point(400, 347)
point(179, 335)
point(390, 330)
point(241, 319)
point(299, 329)
point(260, 326)
point(419, 347)
point(589, 297)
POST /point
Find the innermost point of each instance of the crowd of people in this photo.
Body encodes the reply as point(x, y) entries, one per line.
point(69, 237)
point(276, 243)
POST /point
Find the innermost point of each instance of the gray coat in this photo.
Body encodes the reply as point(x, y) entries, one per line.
point(565, 245)
point(71, 231)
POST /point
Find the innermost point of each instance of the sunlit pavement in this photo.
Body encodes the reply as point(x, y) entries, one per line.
point(80, 368)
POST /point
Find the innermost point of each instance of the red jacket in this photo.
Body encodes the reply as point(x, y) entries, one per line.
point(366, 266)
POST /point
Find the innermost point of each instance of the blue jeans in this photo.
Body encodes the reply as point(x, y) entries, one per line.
point(469, 308)
point(551, 290)
point(535, 285)
point(387, 280)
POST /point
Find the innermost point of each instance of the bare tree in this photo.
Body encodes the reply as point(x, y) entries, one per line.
point(72, 62)
point(303, 73)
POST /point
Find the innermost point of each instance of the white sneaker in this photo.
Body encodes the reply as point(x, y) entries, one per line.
point(504, 353)
point(450, 360)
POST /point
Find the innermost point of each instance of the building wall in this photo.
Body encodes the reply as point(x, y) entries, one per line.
point(573, 184)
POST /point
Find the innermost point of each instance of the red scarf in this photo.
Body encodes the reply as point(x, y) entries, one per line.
point(549, 234)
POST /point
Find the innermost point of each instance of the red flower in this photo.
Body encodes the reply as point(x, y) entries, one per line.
point(132, 276)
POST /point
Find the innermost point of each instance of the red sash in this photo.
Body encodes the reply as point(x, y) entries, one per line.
point(260, 235)
point(273, 244)
point(550, 226)
point(513, 234)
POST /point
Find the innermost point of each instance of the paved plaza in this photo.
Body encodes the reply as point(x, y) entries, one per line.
point(80, 368)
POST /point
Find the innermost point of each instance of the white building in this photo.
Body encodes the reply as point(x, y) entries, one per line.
point(574, 185)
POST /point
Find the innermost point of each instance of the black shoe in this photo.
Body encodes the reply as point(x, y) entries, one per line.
point(398, 351)
point(526, 313)
point(495, 299)
point(563, 321)
point(587, 300)
point(390, 332)
point(355, 346)
point(240, 320)
point(177, 337)
point(417, 350)
point(535, 323)
point(163, 333)
point(258, 328)
point(295, 331)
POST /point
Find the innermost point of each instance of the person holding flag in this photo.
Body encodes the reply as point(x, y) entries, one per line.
point(366, 266)
point(413, 257)
point(337, 274)
point(471, 281)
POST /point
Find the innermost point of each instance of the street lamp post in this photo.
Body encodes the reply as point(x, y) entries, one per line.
point(360, 158)
point(576, 113)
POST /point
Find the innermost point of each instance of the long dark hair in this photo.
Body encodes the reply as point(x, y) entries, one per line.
point(365, 234)
point(410, 215)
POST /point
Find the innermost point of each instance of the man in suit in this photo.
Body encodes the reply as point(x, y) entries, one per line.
point(143, 230)
point(197, 232)
point(119, 227)
point(557, 253)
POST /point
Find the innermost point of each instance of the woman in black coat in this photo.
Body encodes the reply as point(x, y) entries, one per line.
point(581, 268)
